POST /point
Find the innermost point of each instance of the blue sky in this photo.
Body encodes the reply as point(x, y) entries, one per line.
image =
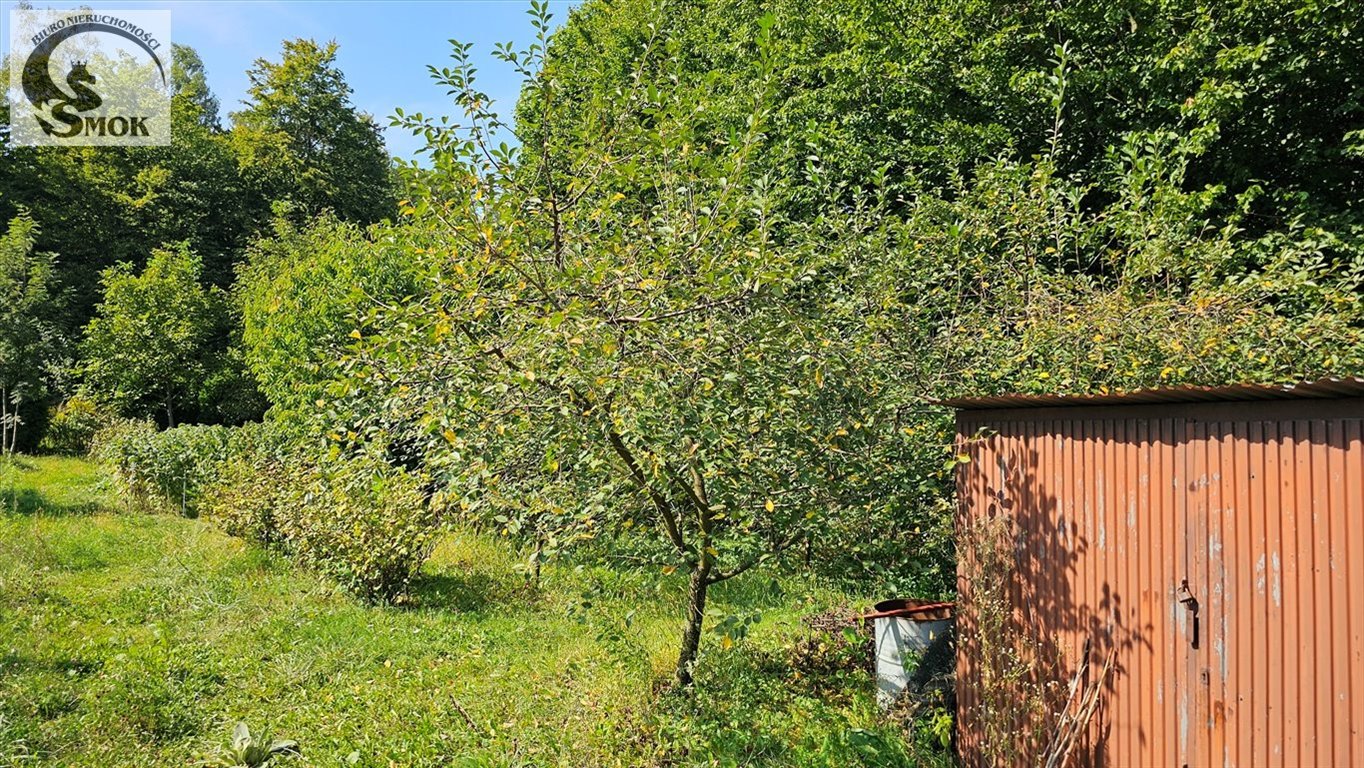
point(384, 46)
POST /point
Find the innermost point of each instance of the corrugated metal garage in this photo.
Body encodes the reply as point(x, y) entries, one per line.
point(1212, 537)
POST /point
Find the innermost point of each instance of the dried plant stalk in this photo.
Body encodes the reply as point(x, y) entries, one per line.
point(1074, 720)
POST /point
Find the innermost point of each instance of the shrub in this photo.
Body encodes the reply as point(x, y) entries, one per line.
point(73, 424)
point(251, 485)
point(162, 470)
point(122, 447)
point(363, 523)
point(358, 520)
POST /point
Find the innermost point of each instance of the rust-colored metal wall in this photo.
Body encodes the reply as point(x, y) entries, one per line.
point(1258, 506)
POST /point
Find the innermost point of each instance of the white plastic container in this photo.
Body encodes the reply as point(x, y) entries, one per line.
point(904, 629)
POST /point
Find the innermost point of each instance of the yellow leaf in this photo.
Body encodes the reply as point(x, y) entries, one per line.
point(769, 506)
point(449, 435)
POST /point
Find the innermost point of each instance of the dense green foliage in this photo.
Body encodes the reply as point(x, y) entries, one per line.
point(29, 341)
point(691, 326)
point(1072, 177)
point(297, 141)
point(926, 90)
point(1176, 308)
point(365, 524)
point(101, 206)
point(300, 292)
point(167, 469)
point(683, 362)
point(73, 424)
point(300, 139)
point(150, 346)
point(693, 319)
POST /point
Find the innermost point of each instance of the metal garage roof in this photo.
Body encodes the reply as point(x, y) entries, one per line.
point(1321, 389)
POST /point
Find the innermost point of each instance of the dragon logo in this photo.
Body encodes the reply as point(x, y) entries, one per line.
point(68, 104)
point(78, 80)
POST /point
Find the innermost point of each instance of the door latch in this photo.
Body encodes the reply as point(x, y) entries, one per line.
point(1190, 602)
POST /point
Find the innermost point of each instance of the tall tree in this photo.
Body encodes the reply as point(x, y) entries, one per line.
point(101, 206)
point(151, 343)
point(300, 138)
point(204, 200)
point(28, 337)
point(189, 80)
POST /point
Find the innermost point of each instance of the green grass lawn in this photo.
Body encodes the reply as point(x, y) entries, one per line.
point(132, 639)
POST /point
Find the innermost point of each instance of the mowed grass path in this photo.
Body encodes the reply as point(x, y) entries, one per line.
point(132, 639)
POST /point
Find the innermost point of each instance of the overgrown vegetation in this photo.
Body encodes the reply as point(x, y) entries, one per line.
point(73, 424)
point(1090, 196)
point(163, 470)
point(28, 341)
point(1017, 688)
point(683, 363)
point(146, 351)
point(368, 525)
point(683, 333)
point(141, 640)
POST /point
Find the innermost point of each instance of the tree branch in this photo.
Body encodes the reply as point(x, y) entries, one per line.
point(665, 509)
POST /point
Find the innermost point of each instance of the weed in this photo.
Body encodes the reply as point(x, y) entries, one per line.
point(250, 750)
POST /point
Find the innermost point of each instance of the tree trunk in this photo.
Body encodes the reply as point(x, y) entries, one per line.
point(170, 415)
point(696, 613)
point(539, 554)
point(6, 441)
